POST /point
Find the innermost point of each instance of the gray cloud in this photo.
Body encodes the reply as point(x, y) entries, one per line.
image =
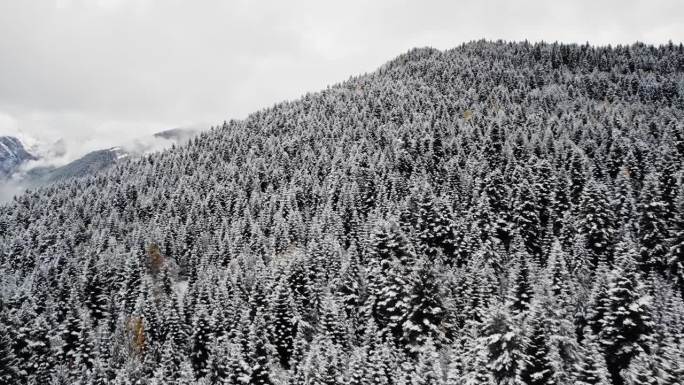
point(99, 72)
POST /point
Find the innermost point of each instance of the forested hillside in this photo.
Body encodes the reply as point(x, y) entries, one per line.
point(499, 213)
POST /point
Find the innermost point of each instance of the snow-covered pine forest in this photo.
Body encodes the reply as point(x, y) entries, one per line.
point(499, 213)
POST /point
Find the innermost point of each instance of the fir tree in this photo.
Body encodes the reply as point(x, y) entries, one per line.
point(283, 327)
point(537, 370)
point(591, 369)
point(9, 371)
point(200, 342)
point(503, 343)
point(520, 293)
point(596, 221)
point(652, 227)
point(426, 310)
point(259, 355)
point(642, 371)
point(626, 324)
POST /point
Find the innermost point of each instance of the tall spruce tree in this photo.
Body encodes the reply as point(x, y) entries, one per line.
point(626, 324)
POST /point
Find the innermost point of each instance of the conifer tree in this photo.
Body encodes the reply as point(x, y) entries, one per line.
point(596, 308)
point(520, 293)
point(591, 369)
point(200, 342)
point(479, 373)
point(357, 368)
point(169, 363)
point(259, 353)
point(427, 369)
point(85, 355)
point(426, 310)
point(70, 331)
point(238, 369)
point(283, 328)
point(652, 227)
point(626, 324)
point(527, 218)
point(596, 221)
point(332, 322)
point(38, 350)
point(537, 369)
point(675, 255)
point(503, 343)
point(9, 371)
point(642, 370)
point(350, 288)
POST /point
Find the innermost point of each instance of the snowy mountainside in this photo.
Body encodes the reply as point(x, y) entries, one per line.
point(498, 213)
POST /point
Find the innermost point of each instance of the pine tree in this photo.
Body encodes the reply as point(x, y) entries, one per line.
point(259, 355)
point(389, 286)
point(554, 301)
point(172, 327)
point(503, 343)
point(479, 373)
point(537, 370)
point(481, 289)
point(527, 218)
point(170, 362)
point(332, 322)
point(624, 204)
point(591, 369)
point(9, 371)
point(70, 331)
point(675, 255)
point(218, 364)
point(85, 355)
point(427, 369)
point(200, 342)
point(626, 324)
point(39, 351)
point(671, 362)
point(357, 368)
point(131, 279)
point(238, 369)
point(455, 371)
point(433, 225)
point(94, 291)
point(350, 288)
point(652, 227)
point(520, 293)
point(392, 303)
point(642, 370)
point(596, 221)
point(322, 366)
point(283, 328)
point(426, 310)
point(598, 299)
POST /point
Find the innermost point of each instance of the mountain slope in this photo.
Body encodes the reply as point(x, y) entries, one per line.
point(457, 212)
point(12, 156)
point(88, 164)
point(24, 174)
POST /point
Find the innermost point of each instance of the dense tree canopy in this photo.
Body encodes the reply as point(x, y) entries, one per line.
point(498, 213)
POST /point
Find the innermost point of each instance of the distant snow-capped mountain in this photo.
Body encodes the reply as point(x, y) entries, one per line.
point(32, 163)
point(13, 155)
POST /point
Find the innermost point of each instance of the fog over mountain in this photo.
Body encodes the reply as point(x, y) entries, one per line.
point(25, 162)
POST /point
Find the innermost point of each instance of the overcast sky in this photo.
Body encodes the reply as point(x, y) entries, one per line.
point(97, 72)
